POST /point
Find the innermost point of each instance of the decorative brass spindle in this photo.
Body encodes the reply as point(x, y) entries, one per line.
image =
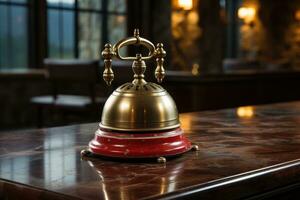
point(160, 53)
point(108, 74)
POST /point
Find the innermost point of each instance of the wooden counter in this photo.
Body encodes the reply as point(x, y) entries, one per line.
point(249, 152)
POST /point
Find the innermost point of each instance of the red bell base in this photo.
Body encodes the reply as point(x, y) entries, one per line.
point(139, 145)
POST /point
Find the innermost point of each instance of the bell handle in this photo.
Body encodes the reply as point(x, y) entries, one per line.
point(135, 40)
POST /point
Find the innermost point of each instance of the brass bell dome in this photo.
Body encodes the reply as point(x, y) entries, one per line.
point(138, 106)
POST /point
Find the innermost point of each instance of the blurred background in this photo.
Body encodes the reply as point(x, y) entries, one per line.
point(220, 54)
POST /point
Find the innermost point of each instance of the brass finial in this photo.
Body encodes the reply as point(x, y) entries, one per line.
point(139, 68)
point(136, 33)
point(107, 54)
point(159, 54)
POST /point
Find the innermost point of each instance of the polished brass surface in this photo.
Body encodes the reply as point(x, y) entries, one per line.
point(139, 105)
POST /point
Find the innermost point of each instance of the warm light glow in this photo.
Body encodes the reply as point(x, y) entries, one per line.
point(186, 122)
point(195, 69)
point(297, 15)
point(246, 13)
point(245, 112)
point(185, 4)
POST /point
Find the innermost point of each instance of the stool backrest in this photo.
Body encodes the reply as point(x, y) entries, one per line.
point(86, 72)
point(73, 70)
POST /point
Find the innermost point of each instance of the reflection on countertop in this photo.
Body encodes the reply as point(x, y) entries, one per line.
point(231, 141)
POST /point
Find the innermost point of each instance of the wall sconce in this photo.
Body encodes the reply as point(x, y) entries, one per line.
point(245, 112)
point(195, 69)
point(247, 14)
point(297, 15)
point(185, 4)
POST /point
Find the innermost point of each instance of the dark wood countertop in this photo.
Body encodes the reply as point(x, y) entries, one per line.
point(243, 154)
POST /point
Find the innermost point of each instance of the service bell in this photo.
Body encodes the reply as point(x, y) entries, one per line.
point(140, 118)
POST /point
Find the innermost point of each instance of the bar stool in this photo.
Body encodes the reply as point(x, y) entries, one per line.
point(61, 72)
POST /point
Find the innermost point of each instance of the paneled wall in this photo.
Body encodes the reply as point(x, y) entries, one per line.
point(191, 93)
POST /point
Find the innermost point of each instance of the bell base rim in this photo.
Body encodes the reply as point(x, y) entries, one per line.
point(139, 130)
point(90, 154)
point(139, 146)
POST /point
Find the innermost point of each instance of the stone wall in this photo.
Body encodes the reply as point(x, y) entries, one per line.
point(198, 37)
point(274, 34)
point(186, 34)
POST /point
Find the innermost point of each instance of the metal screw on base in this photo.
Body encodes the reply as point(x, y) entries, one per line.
point(161, 160)
point(85, 153)
point(195, 147)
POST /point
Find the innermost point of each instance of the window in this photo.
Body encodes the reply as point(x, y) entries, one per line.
point(60, 28)
point(14, 34)
point(79, 28)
